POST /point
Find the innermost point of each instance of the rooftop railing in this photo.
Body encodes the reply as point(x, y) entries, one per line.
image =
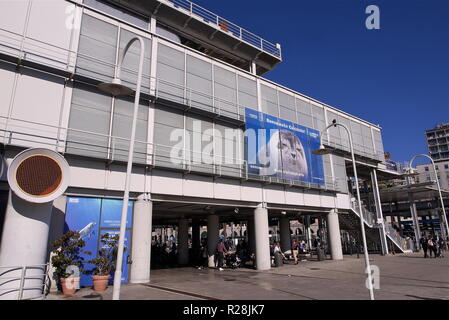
point(225, 26)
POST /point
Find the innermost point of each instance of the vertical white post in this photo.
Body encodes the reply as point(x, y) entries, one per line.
point(379, 214)
point(263, 261)
point(121, 244)
point(333, 227)
point(141, 240)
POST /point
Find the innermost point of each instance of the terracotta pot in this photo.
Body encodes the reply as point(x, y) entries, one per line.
point(100, 282)
point(69, 285)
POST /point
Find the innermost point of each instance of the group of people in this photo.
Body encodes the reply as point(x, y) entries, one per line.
point(435, 245)
point(163, 254)
point(226, 252)
point(298, 247)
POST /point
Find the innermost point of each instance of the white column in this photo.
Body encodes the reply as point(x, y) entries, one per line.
point(334, 235)
point(415, 221)
point(262, 238)
point(183, 241)
point(380, 217)
point(212, 238)
point(284, 224)
point(24, 243)
point(141, 240)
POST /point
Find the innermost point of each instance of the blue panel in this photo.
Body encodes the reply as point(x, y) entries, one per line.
point(282, 149)
point(82, 212)
point(125, 255)
point(111, 213)
point(316, 161)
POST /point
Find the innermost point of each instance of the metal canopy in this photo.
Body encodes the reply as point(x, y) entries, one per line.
point(420, 192)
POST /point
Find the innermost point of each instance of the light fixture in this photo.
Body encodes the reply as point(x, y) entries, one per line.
point(115, 87)
point(236, 210)
point(283, 213)
point(322, 150)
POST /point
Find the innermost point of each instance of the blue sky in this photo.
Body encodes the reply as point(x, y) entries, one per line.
point(397, 77)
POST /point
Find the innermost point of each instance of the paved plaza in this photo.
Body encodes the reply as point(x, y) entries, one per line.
point(403, 277)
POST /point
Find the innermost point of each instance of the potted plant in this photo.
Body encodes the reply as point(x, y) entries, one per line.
point(105, 261)
point(67, 260)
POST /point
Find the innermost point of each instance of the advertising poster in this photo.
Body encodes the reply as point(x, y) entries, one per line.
point(93, 217)
point(282, 149)
point(83, 214)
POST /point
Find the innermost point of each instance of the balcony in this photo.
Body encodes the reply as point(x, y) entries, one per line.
point(212, 31)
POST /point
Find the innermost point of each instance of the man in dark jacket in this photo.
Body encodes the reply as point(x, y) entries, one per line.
point(424, 246)
point(221, 250)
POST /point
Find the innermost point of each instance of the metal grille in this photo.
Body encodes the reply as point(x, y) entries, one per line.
point(38, 175)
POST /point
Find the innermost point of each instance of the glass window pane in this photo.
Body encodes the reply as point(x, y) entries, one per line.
point(90, 112)
point(97, 49)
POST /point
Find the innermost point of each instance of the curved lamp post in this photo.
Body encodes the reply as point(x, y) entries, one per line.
point(116, 88)
point(322, 151)
point(446, 230)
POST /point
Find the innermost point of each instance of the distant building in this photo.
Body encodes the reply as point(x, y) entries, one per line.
point(426, 173)
point(438, 142)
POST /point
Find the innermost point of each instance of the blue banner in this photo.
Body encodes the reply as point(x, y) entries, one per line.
point(282, 149)
point(93, 217)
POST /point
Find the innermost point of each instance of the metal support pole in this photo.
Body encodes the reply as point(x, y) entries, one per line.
point(121, 244)
point(380, 218)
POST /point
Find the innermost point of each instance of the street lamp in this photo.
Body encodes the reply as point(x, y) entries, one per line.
point(116, 88)
point(322, 151)
point(438, 186)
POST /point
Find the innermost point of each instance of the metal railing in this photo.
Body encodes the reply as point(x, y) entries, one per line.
point(113, 148)
point(225, 26)
point(33, 50)
point(330, 140)
point(403, 243)
point(370, 220)
point(24, 282)
point(368, 217)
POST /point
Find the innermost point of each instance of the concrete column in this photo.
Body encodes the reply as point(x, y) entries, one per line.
point(183, 241)
point(262, 238)
point(212, 238)
point(24, 243)
point(308, 231)
point(379, 213)
point(196, 234)
point(333, 228)
point(284, 224)
point(141, 240)
point(56, 231)
point(251, 235)
point(415, 220)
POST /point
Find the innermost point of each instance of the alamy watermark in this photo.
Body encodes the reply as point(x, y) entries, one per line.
point(372, 22)
point(375, 277)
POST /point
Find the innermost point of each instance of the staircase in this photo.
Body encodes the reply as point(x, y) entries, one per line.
point(351, 223)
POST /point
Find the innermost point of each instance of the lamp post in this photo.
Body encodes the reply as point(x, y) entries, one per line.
point(117, 88)
point(322, 151)
point(446, 230)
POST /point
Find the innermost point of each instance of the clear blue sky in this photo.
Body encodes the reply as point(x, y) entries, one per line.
point(397, 77)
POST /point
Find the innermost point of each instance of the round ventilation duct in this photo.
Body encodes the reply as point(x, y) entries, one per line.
point(38, 175)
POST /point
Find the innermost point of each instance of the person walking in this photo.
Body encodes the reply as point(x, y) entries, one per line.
point(431, 247)
point(441, 246)
point(424, 246)
point(295, 248)
point(221, 250)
